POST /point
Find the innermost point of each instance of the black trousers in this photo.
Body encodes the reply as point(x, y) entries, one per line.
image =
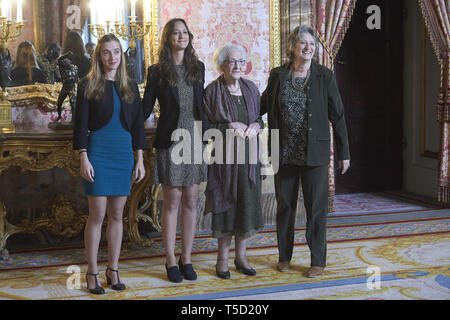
point(314, 182)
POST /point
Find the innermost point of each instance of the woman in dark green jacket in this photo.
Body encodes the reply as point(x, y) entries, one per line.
point(301, 99)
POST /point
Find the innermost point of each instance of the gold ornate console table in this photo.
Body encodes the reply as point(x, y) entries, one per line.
point(40, 149)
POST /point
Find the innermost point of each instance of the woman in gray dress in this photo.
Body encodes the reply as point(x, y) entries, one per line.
point(177, 81)
point(233, 193)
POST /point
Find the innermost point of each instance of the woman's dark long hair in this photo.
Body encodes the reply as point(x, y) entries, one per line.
point(74, 42)
point(166, 63)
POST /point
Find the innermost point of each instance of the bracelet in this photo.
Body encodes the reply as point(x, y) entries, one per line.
point(82, 151)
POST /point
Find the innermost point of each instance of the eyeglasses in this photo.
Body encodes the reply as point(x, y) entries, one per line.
point(239, 63)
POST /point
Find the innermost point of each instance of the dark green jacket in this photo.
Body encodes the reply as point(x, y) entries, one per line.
point(324, 104)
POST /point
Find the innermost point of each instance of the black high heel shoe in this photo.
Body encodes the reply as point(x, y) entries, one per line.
point(118, 286)
point(97, 289)
point(187, 270)
point(244, 270)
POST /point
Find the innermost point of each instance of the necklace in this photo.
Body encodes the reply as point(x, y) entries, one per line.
point(297, 86)
point(235, 91)
point(237, 96)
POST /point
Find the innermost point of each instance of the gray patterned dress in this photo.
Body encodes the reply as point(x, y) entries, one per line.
point(294, 123)
point(172, 173)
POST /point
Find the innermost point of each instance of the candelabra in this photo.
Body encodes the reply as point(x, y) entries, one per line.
point(131, 33)
point(9, 31)
point(108, 19)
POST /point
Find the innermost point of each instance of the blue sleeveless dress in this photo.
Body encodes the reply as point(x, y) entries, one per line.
point(110, 152)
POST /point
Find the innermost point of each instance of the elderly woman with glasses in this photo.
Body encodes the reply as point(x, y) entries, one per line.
point(233, 193)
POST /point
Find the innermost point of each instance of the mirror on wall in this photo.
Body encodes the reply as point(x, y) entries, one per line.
point(53, 27)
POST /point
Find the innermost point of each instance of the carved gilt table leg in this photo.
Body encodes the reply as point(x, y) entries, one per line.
point(35, 154)
point(135, 213)
point(6, 230)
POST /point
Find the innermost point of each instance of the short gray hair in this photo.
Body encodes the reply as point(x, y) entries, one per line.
point(221, 54)
point(294, 37)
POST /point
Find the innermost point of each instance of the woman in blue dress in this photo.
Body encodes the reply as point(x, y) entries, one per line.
point(108, 126)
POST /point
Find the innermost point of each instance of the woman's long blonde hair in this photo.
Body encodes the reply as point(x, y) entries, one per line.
point(26, 58)
point(95, 89)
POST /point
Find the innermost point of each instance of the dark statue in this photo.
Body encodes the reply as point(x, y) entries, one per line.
point(69, 77)
point(49, 63)
point(5, 68)
point(135, 64)
point(131, 59)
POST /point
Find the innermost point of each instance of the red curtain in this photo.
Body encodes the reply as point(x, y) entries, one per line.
point(331, 20)
point(436, 14)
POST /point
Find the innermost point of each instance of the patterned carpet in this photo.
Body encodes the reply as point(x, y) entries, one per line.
point(378, 202)
point(399, 254)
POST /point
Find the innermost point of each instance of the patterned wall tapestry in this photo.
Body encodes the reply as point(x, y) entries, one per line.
point(215, 23)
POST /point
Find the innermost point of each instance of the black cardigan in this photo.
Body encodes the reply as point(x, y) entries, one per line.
point(324, 105)
point(94, 115)
point(169, 102)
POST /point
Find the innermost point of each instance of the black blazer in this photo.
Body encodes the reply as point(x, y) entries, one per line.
point(324, 104)
point(169, 103)
point(94, 115)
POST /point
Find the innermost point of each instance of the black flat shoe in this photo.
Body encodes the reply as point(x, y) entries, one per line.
point(244, 270)
point(118, 286)
point(174, 274)
point(97, 289)
point(187, 270)
point(224, 274)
